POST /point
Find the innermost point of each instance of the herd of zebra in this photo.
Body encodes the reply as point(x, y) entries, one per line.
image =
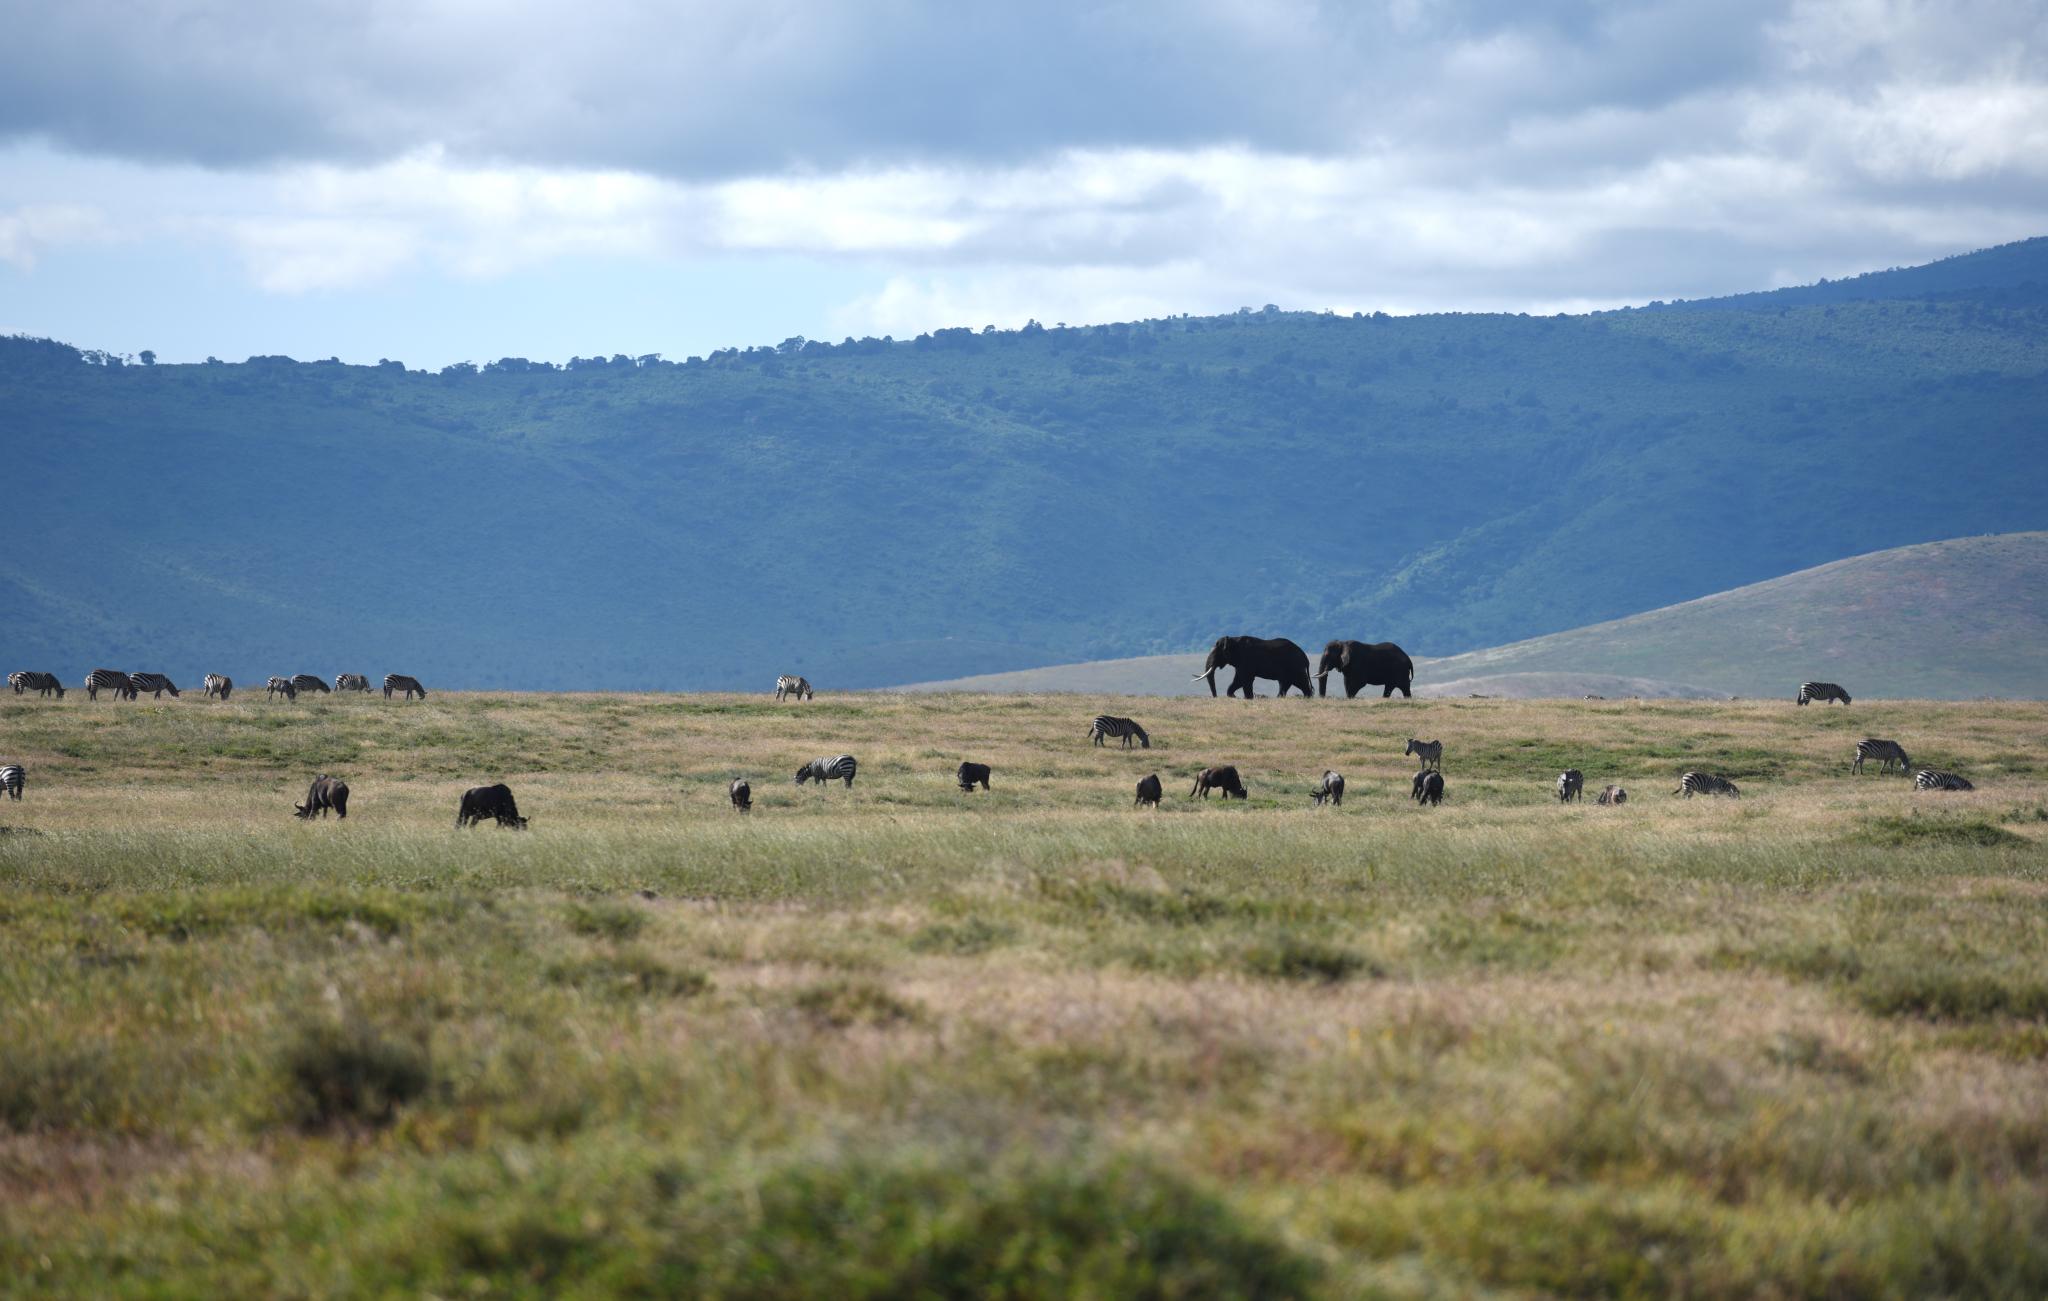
point(130, 686)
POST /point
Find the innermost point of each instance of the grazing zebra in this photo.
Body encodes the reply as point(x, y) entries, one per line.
point(1933, 779)
point(154, 683)
point(1430, 752)
point(40, 683)
point(325, 793)
point(113, 680)
point(351, 682)
point(219, 684)
point(1429, 788)
point(1614, 795)
point(791, 685)
point(400, 682)
point(742, 795)
point(1704, 783)
point(281, 687)
point(971, 773)
point(307, 682)
point(824, 770)
point(1105, 727)
point(1223, 779)
point(1888, 751)
point(1330, 788)
point(1571, 785)
point(1149, 792)
point(12, 778)
point(1811, 691)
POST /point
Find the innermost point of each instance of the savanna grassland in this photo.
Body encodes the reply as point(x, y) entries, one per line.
point(903, 1041)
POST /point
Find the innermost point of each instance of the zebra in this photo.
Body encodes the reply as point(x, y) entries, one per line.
point(742, 795)
point(351, 682)
point(282, 687)
point(1703, 783)
point(113, 680)
point(1810, 691)
point(40, 683)
point(824, 770)
point(1106, 726)
point(1888, 751)
point(12, 778)
point(1430, 752)
point(400, 682)
point(154, 683)
point(1614, 795)
point(307, 682)
point(791, 685)
point(219, 684)
point(1330, 788)
point(1571, 785)
point(1933, 779)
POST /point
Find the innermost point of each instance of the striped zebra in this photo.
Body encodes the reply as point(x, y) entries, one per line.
point(1933, 779)
point(1705, 783)
point(1571, 785)
point(12, 779)
point(400, 682)
point(40, 683)
point(351, 682)
point(307, 682)
point(1430, 752)
point(219, 684)
point(1811, 691)
point(1888, 751)
point(154, 683)
point(281, 687)
point(824, 770)
point(113, 680)
point(1106, 726)
point(791, 685)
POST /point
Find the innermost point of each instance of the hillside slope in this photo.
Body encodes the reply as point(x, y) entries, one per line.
point(880, 512)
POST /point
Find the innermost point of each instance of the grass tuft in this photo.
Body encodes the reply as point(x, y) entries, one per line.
point(352, 1072)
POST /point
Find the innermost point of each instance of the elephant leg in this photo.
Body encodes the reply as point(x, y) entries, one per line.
point(1241, 681)
point(1323, 685)
point(1353, 684)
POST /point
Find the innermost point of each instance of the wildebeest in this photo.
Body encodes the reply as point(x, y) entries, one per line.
point(970, 773)
point(1330, 788)
point(824, 770)
point(742, 794)
point(1430, 752)
point(480, 802)
point(1429, 787)
point(1218, 779)
point(325, 793)
point(1571, 785)
point(1614, 795)
point(12, 779)
point(1149, 791)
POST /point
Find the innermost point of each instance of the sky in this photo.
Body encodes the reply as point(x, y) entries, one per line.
point(435, 181)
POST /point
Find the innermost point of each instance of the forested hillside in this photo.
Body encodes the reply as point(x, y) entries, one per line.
point(1447, 481)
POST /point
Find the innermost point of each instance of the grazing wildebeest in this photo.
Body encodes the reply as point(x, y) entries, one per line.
point(1429, 787)
point(1430, 752)
point(325, 793)
point(1149, 791)
point(971, 773)
point(1218, 779)
point(1614, 795)
point(12, 778)
point(1330, 788)
point(824, 770)
point(742, 794)
point(1571, 785)
point(480, 802)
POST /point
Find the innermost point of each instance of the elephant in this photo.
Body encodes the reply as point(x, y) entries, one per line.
point(1362, 665)
point(1253, 658)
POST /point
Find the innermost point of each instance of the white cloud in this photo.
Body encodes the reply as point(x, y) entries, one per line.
point(32, 229)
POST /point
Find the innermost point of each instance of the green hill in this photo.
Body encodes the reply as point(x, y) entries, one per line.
point(878, 512)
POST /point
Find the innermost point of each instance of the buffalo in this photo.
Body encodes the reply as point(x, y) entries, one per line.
point(480, 802)
point(325, 793)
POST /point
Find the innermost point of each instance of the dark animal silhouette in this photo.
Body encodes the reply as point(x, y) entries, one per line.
point(480, 802)
point(1614, 795)
point(1330, 788)
point(1361, 665)
point(1809, 691)
point(1106, 725)
point(742, 794)
point(824, 770)
point(400, 682)
point(1149, 792)
point(1429, 788)
point(970, 773)
point(1218, 779)
point(1254, 658)
point(1571, 785)
point(325, 793)
point(40, 683)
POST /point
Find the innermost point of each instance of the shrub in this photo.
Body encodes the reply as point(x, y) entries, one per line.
point(611, 921)
point(353, 1072)
point(630, 974)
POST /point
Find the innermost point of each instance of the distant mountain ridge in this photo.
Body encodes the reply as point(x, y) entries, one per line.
point(2022, 264)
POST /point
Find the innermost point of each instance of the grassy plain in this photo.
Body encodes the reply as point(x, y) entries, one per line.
point(899, 1040)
